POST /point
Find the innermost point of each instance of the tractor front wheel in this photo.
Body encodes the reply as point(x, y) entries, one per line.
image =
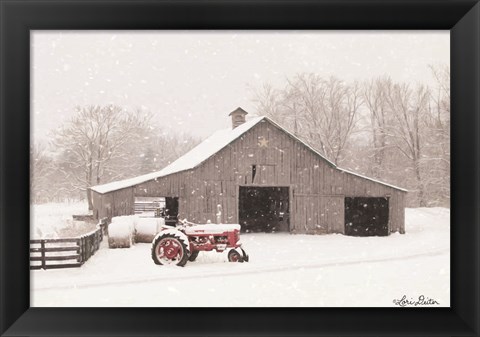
point(169, 249)
point(193, 256)
point(234, 256)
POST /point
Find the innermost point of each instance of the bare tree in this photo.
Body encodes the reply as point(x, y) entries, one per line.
point(439, 117)
point(94, 141)
point(162, 149)
point(413, 123)
point(375, 98)
point(325, 110)
point(40, 169)
point(268, 103)
point(408, 108)
point(279, 105)
point(438, 128)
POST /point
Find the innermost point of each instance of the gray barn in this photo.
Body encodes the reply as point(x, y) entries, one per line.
point(263, 177)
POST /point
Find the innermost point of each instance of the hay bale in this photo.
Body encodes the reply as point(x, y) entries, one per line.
point(121, 231)
point(147, 228)
point(120, 242)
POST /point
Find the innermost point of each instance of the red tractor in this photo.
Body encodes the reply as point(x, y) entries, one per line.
point(177, 245)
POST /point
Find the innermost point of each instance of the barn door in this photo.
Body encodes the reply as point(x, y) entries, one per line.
point(264, 209)
point(171, 210)
point(366, 216)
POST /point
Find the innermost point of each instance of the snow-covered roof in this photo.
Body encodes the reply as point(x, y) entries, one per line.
point(189, 160)
point(205, 150)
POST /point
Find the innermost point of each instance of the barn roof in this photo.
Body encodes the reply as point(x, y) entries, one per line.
point(205, 150)
point(188, 161)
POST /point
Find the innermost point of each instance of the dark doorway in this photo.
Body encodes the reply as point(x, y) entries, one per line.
point(264, 209)
point(171, 210)
point(366, 216)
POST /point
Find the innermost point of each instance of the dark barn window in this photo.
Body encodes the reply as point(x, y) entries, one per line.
point(365, 216)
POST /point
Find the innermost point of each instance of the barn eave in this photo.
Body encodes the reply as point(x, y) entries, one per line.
point(373, 180)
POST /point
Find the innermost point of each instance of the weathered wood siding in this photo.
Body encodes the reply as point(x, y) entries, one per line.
point(116, 203)
point(317, 189)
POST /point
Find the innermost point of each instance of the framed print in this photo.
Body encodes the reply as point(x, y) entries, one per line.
point(174, 167)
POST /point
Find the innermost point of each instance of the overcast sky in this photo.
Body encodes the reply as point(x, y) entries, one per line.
point(192, 80)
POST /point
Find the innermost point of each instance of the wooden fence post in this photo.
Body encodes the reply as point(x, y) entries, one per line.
point(85, 248)
point(84, 253)
point(89, 247)
point(42, 248)
point(100, 238)
point(79, 244)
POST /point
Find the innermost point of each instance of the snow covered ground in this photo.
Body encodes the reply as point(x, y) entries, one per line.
point(52, 220)
point(284, 270)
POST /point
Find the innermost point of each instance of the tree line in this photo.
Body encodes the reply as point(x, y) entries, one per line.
point(97, 145)
point(396, 132)
point(393, 131)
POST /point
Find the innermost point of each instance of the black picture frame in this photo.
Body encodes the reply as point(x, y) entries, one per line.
point(18, 17)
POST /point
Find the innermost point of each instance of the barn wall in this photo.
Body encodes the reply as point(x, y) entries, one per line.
point(115, 203)
point(356, 187)
point(123, 202)
point(98, 210)
point(317, 189)
point(102, 205)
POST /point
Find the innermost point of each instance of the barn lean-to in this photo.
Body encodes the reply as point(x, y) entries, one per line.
point(263, 177)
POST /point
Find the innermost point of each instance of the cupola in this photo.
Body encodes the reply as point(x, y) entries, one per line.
point(238, 117)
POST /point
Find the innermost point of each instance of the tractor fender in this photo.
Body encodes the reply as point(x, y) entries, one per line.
point(181, 236)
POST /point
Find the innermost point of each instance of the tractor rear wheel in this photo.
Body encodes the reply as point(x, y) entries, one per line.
point(193, 256)
point(169, 248)
point(234, 256)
